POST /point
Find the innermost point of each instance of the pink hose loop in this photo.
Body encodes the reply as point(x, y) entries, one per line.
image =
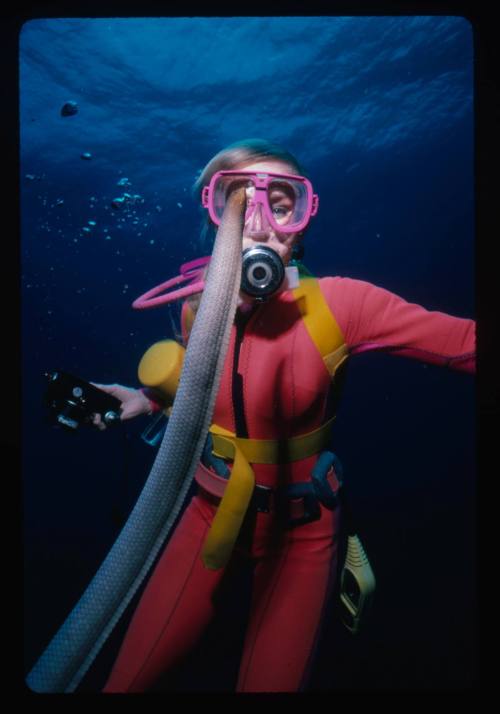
point(198, 263)
point(189, 272)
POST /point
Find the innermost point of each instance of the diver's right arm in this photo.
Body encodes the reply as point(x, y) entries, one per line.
point(134, 402)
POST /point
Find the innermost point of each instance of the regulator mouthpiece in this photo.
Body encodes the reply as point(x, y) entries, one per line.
point(263, 273)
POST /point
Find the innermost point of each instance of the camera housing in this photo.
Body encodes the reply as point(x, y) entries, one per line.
point(73, 401)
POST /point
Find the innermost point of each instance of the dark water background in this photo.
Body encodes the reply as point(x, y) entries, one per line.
point(379, 111)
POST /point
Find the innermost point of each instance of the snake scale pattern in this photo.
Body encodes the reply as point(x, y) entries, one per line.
point(76, 644)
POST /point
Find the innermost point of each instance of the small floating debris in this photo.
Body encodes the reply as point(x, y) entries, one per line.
point(30, 177)
point(59, 201)
point(92, 223)
point(118, 203)
point(86, 156)
point(179, 204)
point(86, 230)
point(159, 209)
point(128, 199)
point(69, 109)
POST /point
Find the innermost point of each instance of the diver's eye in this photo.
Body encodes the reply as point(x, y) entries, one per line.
point(280, 211)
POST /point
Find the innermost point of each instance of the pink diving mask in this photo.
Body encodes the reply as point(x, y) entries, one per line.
point(284, 202)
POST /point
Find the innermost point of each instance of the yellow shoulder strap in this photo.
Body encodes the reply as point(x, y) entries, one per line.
point(321, 324)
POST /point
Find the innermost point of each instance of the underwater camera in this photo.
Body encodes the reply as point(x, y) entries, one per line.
point(72, 402)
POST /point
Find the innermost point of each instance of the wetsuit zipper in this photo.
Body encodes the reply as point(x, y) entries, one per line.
point(240, 422)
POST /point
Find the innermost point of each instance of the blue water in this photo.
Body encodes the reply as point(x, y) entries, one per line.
point(380, 113)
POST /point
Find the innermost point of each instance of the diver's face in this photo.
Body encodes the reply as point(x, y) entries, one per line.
point(281, 243)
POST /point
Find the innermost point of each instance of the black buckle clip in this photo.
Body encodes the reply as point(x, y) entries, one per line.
point(300, 497)
point(327, 478)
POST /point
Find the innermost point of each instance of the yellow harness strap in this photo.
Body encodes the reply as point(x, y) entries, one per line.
point(271, 451)
point(326, 335)
point(321, 324)
point(228, 519)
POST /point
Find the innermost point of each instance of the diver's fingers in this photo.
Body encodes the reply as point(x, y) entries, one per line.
point(108, 388)
point(97, 421)
point(133, 401)
point(117, 390)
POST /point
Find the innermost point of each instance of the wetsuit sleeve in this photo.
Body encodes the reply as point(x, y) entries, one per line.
point(155, 400)
point(372, 318)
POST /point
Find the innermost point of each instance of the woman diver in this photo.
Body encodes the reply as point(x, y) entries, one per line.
point(279, 386)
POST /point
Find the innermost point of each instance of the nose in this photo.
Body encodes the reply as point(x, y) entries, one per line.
point(256, 224)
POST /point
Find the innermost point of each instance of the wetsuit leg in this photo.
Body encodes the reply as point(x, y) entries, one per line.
point(174, 609)
point(291, 590)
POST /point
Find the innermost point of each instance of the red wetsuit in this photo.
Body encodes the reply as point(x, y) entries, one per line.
point(274, 369)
